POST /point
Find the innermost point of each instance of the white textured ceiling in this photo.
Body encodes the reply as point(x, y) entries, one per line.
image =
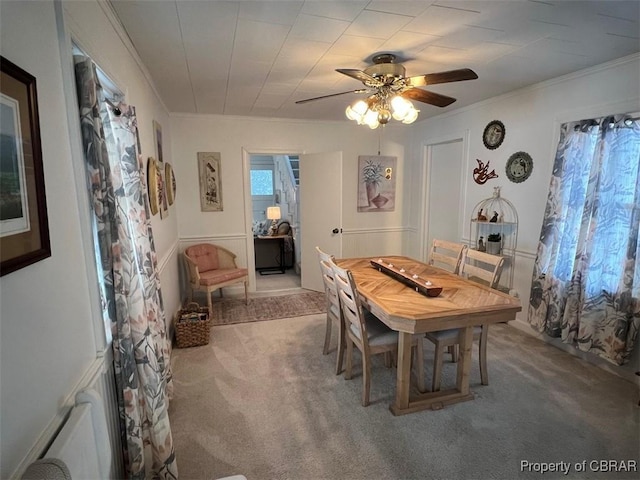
point(256, 58)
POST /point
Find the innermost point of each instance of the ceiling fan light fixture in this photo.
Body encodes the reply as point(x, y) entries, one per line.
point(384, 116)
point(357, 111)
point(412, 116)
point(391, 92)
point(400, 107)
point(371, 119)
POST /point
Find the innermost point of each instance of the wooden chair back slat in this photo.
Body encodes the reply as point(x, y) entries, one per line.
point(482, 265)
point(350, 302)
point(446, 253)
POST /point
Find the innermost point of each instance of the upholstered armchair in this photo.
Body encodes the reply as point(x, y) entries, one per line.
point(212, 267)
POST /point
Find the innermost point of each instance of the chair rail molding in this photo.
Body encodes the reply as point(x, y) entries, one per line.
point(162, 263)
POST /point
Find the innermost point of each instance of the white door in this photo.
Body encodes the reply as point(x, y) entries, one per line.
point(320, 213)
point(444, 170)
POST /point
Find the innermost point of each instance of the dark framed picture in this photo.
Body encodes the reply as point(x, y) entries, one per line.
point(24, 227)
point(493, 134)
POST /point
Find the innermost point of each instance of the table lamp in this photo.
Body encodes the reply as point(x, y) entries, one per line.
point(273, 214)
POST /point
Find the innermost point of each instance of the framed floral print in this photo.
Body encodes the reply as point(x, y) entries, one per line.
point(210, 181)
point(376, 183)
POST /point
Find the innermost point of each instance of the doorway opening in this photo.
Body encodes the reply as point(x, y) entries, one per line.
point(274, 197)
point(444, 167)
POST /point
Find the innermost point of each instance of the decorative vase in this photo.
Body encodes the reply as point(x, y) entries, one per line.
point(372, 191)
point(493, 247)
point(379, 201)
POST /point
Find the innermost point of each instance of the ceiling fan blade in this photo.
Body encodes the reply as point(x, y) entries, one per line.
point(442, 77)
point(360, 90)
point(358, 75)
point(428, 97)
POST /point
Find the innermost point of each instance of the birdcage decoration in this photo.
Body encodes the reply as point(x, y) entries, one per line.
point(494, 229)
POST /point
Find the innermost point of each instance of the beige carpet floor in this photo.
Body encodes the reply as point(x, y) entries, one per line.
point(262, 400)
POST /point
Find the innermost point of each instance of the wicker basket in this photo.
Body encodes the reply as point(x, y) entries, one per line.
point(193, 326)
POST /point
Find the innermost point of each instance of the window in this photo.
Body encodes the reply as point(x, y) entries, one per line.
point(262, 182)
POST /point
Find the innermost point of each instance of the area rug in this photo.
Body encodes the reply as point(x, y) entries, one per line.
point(227, 311)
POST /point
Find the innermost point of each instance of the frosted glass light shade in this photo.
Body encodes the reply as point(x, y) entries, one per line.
point(357, 110)
point(378, 111)
point(371, 119)
point(400, 107)
point(412, 116)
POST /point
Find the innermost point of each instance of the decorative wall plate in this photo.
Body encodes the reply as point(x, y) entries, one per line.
point(170, 181)
point(519, 167)
point(493, 134)
point(152, 185)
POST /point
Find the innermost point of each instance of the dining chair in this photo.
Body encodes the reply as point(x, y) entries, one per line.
point(334, 312)
point(482, 268)
point(368, 333)
point(446, 254)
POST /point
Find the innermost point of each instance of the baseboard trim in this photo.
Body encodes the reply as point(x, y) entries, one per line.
point(625, 371)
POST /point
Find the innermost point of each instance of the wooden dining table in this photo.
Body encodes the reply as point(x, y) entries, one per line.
point(461, 304)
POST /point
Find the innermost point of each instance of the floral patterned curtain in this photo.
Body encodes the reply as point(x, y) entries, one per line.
point(586, 278)
point(130, 284)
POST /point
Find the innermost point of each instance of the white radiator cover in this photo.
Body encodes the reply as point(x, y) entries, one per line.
point(88, 439)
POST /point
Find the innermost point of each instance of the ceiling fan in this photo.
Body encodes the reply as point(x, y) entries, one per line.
point(386, 82)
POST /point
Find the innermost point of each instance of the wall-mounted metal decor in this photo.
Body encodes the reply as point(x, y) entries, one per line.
point(481, 173)
point(493, 134)
point(519, 167)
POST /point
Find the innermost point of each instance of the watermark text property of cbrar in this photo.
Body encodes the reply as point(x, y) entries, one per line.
point(583, 466)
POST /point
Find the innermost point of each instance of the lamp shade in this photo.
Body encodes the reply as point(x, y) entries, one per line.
point(273, 213)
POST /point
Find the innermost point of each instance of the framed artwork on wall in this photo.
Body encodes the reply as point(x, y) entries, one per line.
point(210, 181)
point(24, 226)
point(157, 138)
point(376, 183)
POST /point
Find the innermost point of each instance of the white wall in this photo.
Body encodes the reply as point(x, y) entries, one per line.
point(46, 329)
point(532, 118)
point(230, 135)
point(49, 347)
point(93, 26)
